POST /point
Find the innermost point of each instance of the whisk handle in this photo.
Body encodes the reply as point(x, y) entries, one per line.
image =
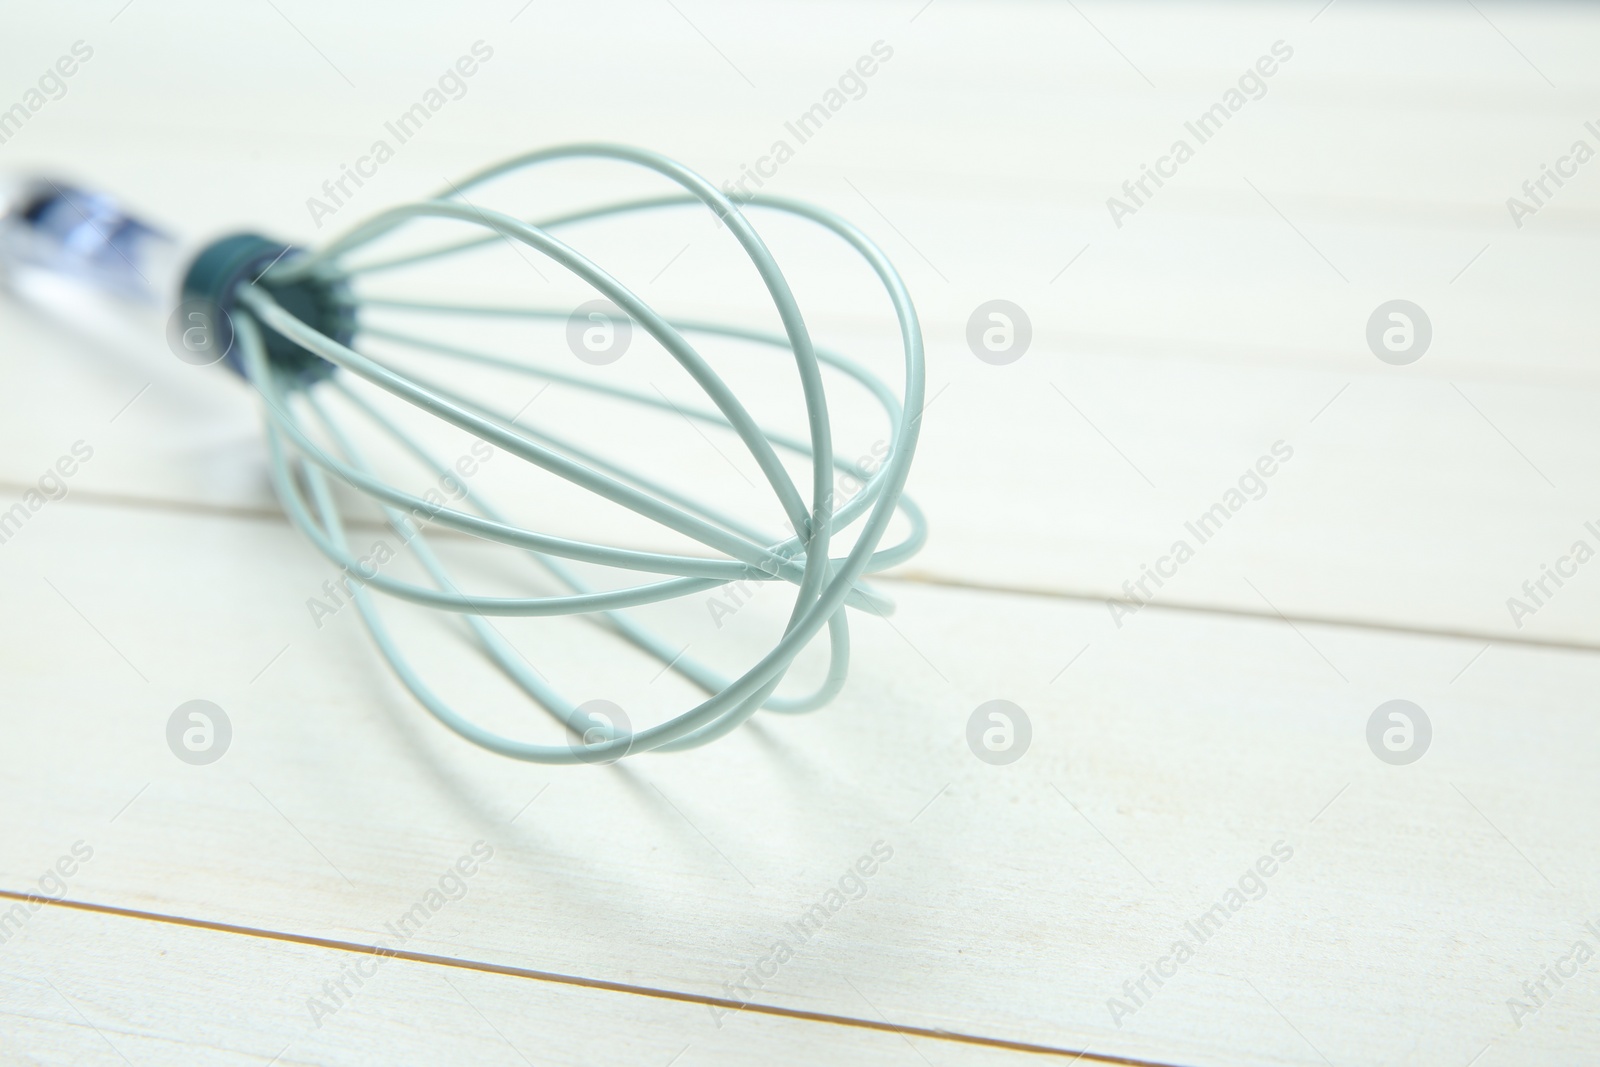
point(83, 255)
point(56, 231)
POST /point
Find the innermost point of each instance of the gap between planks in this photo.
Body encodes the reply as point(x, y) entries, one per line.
point(827, 1018)
point(916, 577)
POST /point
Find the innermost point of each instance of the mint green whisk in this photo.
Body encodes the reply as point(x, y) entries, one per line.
point(291, 322)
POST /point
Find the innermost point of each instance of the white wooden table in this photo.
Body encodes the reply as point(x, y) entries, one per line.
point(1179, 752)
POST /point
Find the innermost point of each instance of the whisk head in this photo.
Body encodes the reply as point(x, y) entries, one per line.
point(302, 327)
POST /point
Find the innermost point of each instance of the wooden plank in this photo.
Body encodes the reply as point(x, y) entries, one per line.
point(1391, 139)
point(1167, 758)
point(1420, 502)
point(87, 988)
point(1224, 316)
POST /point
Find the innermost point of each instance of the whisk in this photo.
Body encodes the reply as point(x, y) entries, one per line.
point(289, 321)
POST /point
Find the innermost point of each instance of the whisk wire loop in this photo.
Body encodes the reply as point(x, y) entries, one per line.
point(298, 413)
